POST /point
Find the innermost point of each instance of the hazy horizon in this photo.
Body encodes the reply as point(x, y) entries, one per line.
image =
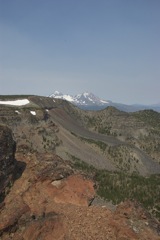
point(107, 47)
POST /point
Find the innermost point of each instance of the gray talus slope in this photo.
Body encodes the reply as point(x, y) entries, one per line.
point(62, 118)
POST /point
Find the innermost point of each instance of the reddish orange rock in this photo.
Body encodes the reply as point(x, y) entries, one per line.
point(45, 228)
point(75, 189)
point(50, 201)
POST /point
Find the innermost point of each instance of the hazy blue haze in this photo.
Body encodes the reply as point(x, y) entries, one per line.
point(108, 47)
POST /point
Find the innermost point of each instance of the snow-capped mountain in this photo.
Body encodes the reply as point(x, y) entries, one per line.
point(88, 101)
point(60, 95)
point(83, 99)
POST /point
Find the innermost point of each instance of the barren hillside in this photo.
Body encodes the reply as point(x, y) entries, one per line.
point(117, 150)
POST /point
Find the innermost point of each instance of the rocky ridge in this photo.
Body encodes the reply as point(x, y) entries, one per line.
point(46, 127)
point(52, 200)
point(130, 142)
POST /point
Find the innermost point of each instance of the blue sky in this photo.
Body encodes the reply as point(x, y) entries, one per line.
point(108, 47)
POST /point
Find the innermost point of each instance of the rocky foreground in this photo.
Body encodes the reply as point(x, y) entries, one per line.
point(43, 197)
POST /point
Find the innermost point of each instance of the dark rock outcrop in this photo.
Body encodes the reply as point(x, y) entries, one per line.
point(7, 160)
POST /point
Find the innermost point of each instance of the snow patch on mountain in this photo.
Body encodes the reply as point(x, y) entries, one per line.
point(16, 102)
point(68, 98)
point(33, 113)
point(103, 101)
point(17, 111)
point(60, 95)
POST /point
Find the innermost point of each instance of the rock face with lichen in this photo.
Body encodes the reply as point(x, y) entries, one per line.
point(7, 160)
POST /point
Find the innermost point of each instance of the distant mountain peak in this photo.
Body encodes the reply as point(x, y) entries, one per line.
point(57, 93)
point(86, 94)
point(83, 99)
point(89, 101)
point(60, 95)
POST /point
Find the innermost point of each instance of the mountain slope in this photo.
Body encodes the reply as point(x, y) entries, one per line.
point(113, 139)
point(119, 150)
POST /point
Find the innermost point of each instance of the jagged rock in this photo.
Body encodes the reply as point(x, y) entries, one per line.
point(49, 226)
point(47, 181)
point(51, 201)
point(7, 160)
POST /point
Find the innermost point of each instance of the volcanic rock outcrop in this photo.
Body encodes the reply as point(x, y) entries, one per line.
point(51, 201)
point(7, 160)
